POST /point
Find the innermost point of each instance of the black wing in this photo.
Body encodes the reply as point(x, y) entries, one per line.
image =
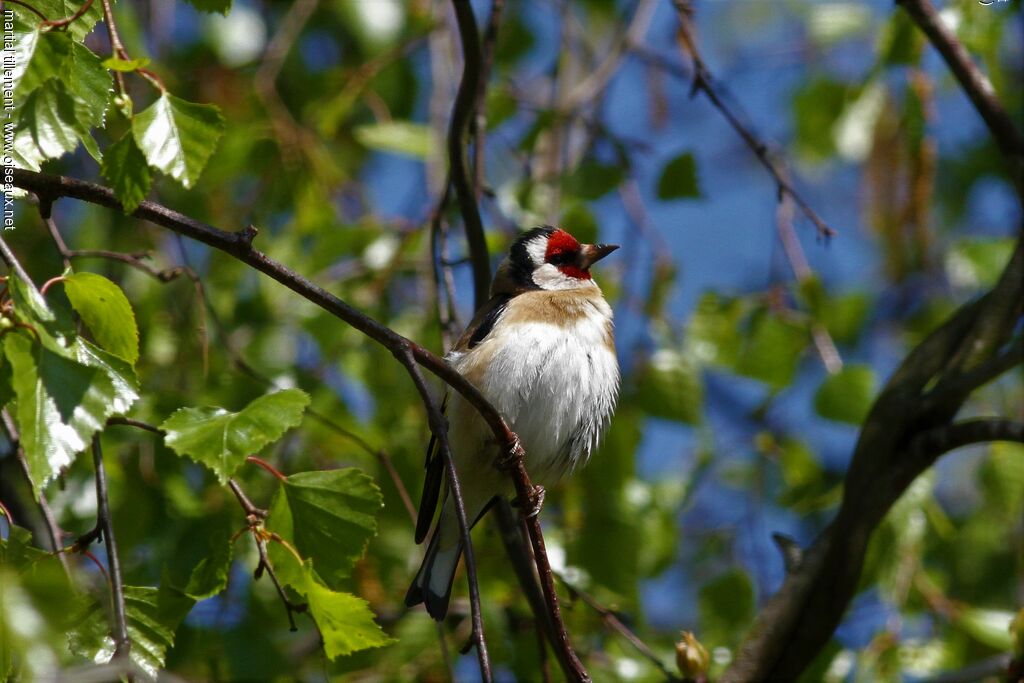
point(434, 467)
point(483, 322)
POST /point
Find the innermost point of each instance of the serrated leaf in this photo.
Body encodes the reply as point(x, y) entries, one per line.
point(153, 616)
point(106, 312)
point(670, 386)
point(48, 114)
point(126, 170)
point(221, 440)
point(678, 178)
point(399, 137)
point(89, 83)
point(327, 516)
point(345, 621)
point(64, 396)
point(846, 396)
point(178, 137)
point(125, 65)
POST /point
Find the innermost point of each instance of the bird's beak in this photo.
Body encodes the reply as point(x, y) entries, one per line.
point(592, 253)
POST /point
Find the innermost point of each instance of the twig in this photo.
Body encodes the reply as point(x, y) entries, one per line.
point(703, 82)
point(613, 622)
point(134, 260)
point(291, 608)
point(288, 131)
point(266, 466)
point(122, 645)
point(117, 47)
point(439, 426)
point(480, 107)
point(462, 113)
point(250, 509)
point(935, 442)
point(30, 8)
point(823, 342)
point(62, 23)
point(974, 83)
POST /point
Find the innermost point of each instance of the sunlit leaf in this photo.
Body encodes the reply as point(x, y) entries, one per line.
point(106, 312)
point(345, 621)
point(126, 65)
point(178, 137)
point(48, 114)
point(221, 440)
point(327, 516)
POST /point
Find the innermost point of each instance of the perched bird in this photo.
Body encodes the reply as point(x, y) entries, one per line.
point(542, 352)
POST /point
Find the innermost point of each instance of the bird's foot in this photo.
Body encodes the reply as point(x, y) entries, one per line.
point(510, 457)
point(535, 501)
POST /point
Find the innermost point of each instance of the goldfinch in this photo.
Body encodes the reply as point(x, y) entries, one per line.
point(542, 352)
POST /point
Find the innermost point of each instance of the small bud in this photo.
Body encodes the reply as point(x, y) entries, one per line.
point(692, 658)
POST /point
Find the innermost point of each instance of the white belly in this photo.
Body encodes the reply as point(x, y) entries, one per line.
point(556, 385)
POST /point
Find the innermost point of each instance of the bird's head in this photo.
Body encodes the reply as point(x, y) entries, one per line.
point(552, 259)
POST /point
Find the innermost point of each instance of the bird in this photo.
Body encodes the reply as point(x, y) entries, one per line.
point(542, 352)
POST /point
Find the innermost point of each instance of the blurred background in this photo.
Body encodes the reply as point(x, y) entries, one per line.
point(751, 345)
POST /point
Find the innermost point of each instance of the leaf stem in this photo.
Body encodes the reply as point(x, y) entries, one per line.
point(267, 466)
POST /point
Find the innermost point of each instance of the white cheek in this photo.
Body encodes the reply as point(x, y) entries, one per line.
point(537, 249)
point(549, 277)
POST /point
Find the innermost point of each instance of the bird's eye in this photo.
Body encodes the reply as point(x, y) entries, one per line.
point(560, 258)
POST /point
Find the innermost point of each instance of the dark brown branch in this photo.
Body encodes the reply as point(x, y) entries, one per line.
point(122, 645)
point(703, 82)
point(975, 84)
point(462, 114)
point(439, 427)
point(898, 441)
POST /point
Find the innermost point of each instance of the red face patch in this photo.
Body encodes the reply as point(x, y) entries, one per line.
point(560, 243)
point(562, 251)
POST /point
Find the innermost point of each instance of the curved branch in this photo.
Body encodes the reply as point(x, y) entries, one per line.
point(935, 442)
point(462, 114)
point(974, 83)
point(122, 644)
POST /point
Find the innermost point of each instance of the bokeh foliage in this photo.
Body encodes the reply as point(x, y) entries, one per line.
point(728, 429)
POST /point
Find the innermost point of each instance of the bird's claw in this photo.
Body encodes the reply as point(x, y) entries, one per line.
point(535, 501)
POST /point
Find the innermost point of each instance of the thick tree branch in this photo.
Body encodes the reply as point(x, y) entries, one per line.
point(975, 84)
point(122, 645)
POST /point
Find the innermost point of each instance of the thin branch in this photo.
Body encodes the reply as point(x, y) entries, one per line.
point(291, 608)
point(704, 82)
point(30, 8)
point(480, 106)
point(439, 426)
point(972, 80)
point(62, 23)
point(823, 341)
point(462, 113)
point(250, 509)
point(612, 620)
point(122, 645)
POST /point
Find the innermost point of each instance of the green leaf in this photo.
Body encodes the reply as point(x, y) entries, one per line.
point(711, 333)
point(399, 137)
point(26, 41)
point(678, 179)
point(64, 396)
point(670, 386)
point(126, 170)
point(345, 621)
point(153, 616)
point(976, 263)
point(89, 83)
point(106, 312)
point(210, 576)
point(846, 396)
point(178, 137)
point(221, 6)
point(221, 440)
point(817, 106)
point(48, 114)
point(772, 350)
point(328, 517)
point(125, 65)
point(593, 180)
